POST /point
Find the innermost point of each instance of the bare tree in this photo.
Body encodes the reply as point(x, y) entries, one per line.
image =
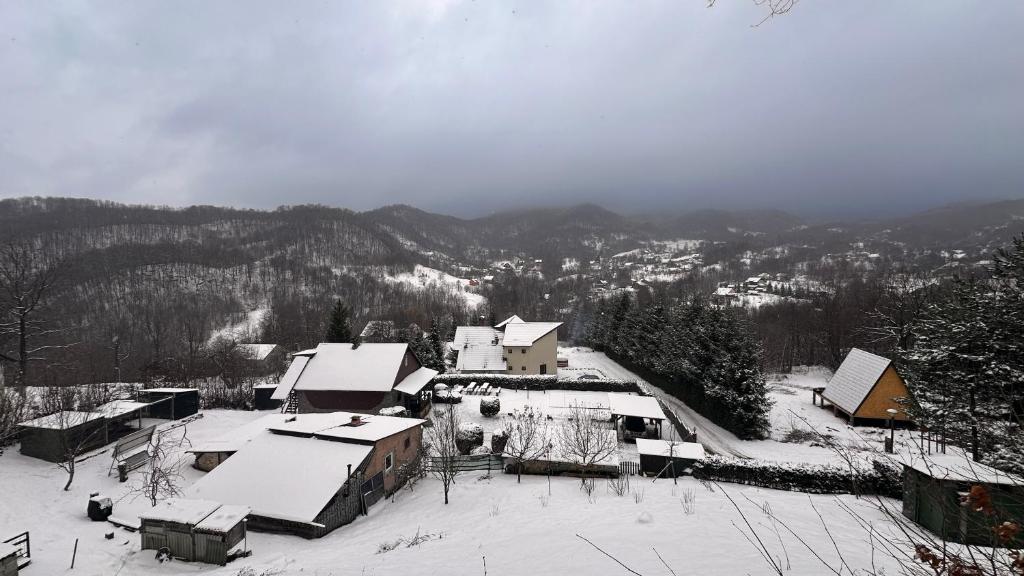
point(527, 438)
point(585, 439)
point(444, 460)
point(72, 417)
point(25, 280)
point(13, 409)
point(163, 478)
point(774, 8)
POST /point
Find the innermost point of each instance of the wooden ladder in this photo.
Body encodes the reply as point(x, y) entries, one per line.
point(291, 406)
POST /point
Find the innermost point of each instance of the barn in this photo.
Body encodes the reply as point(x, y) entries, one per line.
point(933, 490)
point(864, 388)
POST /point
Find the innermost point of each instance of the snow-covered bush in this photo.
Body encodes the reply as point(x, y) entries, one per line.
point(469, 436)
point(480, 451)
point(438, 388)
point(490, 406)
point(396, 411)
point(447, 397)
point(498, 440)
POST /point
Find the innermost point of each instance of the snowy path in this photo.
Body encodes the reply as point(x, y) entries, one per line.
point(714, 438)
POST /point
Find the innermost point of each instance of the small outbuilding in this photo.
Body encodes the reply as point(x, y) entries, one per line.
point(935, 487)
point(864, 388)
point(194, 530)
point(666, 459)
point(640, 416)
point(54, 437)
point(171, 403)
point(8, 560)
point(263, 397)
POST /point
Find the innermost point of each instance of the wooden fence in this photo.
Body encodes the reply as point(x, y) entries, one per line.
point(471, 463)
point(628, 468)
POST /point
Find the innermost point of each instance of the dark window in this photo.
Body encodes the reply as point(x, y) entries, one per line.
point(523, 350)
point(524, 368)
point(543, 368)
point(408, 442)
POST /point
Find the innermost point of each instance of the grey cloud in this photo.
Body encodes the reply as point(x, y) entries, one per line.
point(466, 106)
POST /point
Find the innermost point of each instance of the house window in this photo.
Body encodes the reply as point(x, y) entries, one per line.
point(524, 368)
point(408, 443)
point(389, 462)
point(523, 350)
point(543, 368)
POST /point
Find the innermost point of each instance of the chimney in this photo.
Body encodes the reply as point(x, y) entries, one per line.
point(357, 420)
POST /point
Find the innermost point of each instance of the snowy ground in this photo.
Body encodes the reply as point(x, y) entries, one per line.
point(423, 277)
point(517, 528)
point(791, 394)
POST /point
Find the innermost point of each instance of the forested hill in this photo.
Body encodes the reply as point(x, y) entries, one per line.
point(140, 291)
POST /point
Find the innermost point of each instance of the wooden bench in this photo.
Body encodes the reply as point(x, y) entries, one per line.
point(132, 451)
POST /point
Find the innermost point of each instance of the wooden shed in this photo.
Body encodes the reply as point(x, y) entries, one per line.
point(657, 455)
point(193, 530)
point(864, 388)
point(171, 403)
point(263, 397)
point(640, 416)
point(53, 437)
point(934, 487)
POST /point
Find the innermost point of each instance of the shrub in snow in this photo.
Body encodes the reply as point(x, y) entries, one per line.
point(645, 518)
point(397, 411)
point(469, 436)
point(498, 440)
point(480, 451)
point(447, 397)
point(490, 406)
point(438, 388)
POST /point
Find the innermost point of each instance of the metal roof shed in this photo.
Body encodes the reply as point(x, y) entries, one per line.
point(636, 412)
point(193, 530)
point(171, 403)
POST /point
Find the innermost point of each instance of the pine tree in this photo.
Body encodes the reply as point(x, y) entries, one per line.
point(339, 329)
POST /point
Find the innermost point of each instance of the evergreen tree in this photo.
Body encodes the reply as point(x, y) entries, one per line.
point(339, 329)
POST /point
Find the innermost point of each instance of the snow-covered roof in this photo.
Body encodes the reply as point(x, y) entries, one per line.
point(855, 379)
point(181, 510)
point(233, 440)
point(480, 349)
point(256, 351)
point(7, 550)
point(413, 383)
point(170, 390)
point(513, 319)
point(621, 404)
point(338, 426)
point(62, 420)
point(223, 519)
point(685, 450)
point(120, 408)
point(284, 387)
point(526, 333)
point(367, 368)
point(285, 477)
point(960, 468)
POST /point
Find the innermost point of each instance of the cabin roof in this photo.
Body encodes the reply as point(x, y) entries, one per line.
point(223, 519)
point(62, 420)
point(417, 381)
point(526, 333)
point(291, 376)
point(181, 510)
point(366, 368)
point(285, 477)
point(855, 378)
point(686, 450)
point(621, 404)
point(960, 468)
point(256, 351)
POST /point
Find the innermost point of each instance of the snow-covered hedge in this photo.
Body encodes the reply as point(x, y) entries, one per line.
point(539, 382)
point(490, 406)
point(878, 478)
point(469, 436)
point(499, 438)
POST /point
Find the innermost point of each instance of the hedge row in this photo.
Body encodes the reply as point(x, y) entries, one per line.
point(539, 382)
point(881, 478)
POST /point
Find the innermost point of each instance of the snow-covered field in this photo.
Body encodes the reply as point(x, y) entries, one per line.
point(423, 277)
point(527, 528)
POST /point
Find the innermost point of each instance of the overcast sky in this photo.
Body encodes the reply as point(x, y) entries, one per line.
point(470, 106)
